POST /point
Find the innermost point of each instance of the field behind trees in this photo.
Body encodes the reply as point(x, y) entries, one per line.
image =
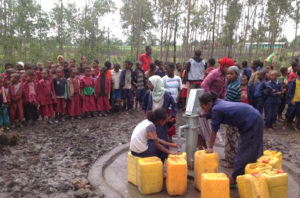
point(175, 28)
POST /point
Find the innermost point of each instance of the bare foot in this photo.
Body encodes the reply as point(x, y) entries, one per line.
point(270, 129)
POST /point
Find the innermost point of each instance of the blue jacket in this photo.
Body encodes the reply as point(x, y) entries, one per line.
point(292, 89)
point(258, 88)
point(272, 97)
point(134, 76)
point(168, 101)
point(122, 78)
point(247, 72)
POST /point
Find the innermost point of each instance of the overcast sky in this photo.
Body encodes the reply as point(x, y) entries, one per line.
point(113, 21)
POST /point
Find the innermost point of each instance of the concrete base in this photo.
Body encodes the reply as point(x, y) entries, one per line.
point(109, 175)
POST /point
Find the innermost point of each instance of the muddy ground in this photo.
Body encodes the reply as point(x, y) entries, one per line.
point(48, 158)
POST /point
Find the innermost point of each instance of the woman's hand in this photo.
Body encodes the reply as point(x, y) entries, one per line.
point(209, 150)
point(201, 114)
point(173, 145)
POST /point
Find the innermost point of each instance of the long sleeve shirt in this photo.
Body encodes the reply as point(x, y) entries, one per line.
point(215, 82)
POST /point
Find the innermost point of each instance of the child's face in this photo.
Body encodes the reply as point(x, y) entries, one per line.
point(45, 75)
point(40, 66)
point(13, 79)
point(231, 75)
point(179, 67)
point(19, 67)
point(73, 74)
point(53, 68)
point(59, 73)
point(139, 66)
point(116, 68)
point(28, 78)
point(127, 66)
point(268, 69)
point(93, 72)
point(253, 66)
point(273, 76)
point(95, 64)
point(1, 83)
point(169, 71)
point(87, 72)
point(103, 71)
point(260, 75)
point(161, 67)
point(49, 63)
point(72, 63)
point(66, 65)
point(244, 81)
point(8, 67)
point(83, 59)
point(150, 86)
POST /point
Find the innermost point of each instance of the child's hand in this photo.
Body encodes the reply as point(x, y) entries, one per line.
point(201, 114)
point(278, 93)
point(273, 90)
point(293, 102)
point(209, 150)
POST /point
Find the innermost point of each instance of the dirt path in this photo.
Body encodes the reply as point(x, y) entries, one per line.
point(48, 157)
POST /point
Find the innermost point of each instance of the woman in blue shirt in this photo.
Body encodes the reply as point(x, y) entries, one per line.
point(243, 116)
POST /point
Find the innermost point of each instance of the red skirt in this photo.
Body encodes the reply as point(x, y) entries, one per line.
point(171, 125)
point(103, 103)
point(88, 103)
point(46, 110)
point(60, 106)
point(184, 93)
point(74, 106)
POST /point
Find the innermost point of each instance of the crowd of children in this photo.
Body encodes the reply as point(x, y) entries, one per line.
point(30, 92)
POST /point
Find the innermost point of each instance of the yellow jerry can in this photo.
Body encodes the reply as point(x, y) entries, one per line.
point(150, 175)
point(273, 161)
point(276, 182)
point(257, 168)
point(204, 163)
point(182, 155)
point(177, 170)
point(132, 162)
point(274, 154)
point(214, 185)
point(250, 186)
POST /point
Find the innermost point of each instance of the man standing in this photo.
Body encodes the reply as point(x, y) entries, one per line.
point(146, 58)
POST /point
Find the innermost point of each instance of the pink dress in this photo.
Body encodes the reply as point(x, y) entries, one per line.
point(88, 101)
point(46, 97)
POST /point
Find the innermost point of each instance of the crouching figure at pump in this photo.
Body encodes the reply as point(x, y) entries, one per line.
point(250, 126)
point(144, 141)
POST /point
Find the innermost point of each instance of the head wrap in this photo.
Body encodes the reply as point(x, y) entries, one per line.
point(226, 62)
point(20, 63)
point(58, 57)
point(158, 88)
point(236, 69)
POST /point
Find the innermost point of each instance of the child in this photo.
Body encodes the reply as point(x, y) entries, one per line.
point(4, 116)
point(20, 67)
point(210, 66)
point(151, 71)
point(273, 92)
point(39, 65)
point(53, 72)
point(160, 71)
point(72, 63)
point(102, 89)
point(284, 81)
point(172, 84)
point(46, 96)
point(139, 81)
point(233, 94)
point(74, 108)
point(179, 69)
point(295, 68)
point(257, 93)
point(116, 91)
point(60, 87)
point(184, 85)
point(244, 90)
point(94, 74)
point(87, 85)
point(66, 69)
point(30, 98)
point(49, 63)
point(293, 100)
point(96, 67)
point(14, 99)
point(247, 70)
point(126, 85)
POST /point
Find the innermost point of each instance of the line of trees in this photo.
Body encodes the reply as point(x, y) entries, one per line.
point(29, 33)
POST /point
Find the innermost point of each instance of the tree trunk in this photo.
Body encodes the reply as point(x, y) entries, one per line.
point(296, 31)
point(187, 31)
point(139, 30)
point(162, 33)
point(213, 29)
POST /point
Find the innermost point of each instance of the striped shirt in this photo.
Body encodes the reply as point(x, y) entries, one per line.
point(233, 93)
point(172, 85)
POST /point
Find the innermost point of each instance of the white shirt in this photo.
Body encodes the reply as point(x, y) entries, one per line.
point(115, 77)
point(172, 85)
point(139, 140)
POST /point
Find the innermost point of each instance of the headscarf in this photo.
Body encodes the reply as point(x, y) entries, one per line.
point(235, 69)
point(226, 62)
point(58, 57)
point(20, 63)
point(158, 88)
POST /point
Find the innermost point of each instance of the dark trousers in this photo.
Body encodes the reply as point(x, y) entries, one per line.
point(128, 95)
point(151, 152)
point(282, 104)
point(250, 147)
point(258, 104)
point(31, 112)
point(140, 95)
point(271, 112)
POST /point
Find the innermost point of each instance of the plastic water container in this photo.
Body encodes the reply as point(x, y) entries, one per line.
point(273, 161)
point(274, 154)
point(250, 186)
point(276, 182)
point(177, 170)
point(257, 168)
point(132, 162)
point(182, 155)
point(214, 185)
point(204, 163)
point(150, 175)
